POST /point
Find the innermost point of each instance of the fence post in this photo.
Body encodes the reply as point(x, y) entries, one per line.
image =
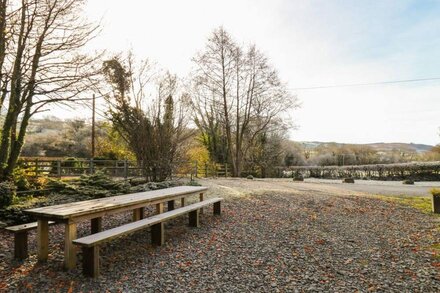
point(206, 170)
point(125, 169)
point(36, 168)
point(59, 169)
point(226, 169)
point(91, 169)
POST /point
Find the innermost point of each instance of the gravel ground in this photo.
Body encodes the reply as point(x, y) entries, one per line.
point(273, 236)
point(382, 187)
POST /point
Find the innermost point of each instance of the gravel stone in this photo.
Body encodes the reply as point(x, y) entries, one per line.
point(272, 236)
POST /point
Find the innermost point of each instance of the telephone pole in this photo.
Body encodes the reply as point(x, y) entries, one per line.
point(93, 126)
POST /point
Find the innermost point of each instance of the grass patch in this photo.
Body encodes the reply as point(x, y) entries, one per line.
point(422, 203)
point(436, 249)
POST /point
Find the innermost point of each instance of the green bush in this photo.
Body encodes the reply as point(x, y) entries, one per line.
point(138, 181)
point(298, 177)
point(101, 180)
point(99, 185)
point(408, 181)
point(250, 177)
point(7, 193)
point(193, 183)
point(70, 162)
point(154, 186)
point(59, 186)
point(20, 179)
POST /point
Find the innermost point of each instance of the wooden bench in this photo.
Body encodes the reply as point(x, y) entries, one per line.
point(90, 244)
point(21, 238)
point(70, 214)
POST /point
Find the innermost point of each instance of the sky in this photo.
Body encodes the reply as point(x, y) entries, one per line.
point(311, 43)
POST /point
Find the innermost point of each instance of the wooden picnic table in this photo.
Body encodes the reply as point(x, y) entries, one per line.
point(72, 213)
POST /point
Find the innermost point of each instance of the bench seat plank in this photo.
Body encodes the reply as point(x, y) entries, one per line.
point(25, 227)
point(104, 236)
point(21, 238)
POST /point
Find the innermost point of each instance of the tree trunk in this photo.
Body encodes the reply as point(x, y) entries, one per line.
point(18, 144)
point(5, 143)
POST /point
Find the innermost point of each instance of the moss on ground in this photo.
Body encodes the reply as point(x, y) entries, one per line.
point(83, 188)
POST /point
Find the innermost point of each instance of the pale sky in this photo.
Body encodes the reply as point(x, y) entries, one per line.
point(311, 43)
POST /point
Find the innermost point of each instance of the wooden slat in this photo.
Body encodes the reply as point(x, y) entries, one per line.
point(76, 209)
point(107, 235)
point(91, 261)
point(69, 248)
point(43, 240)
point(25, 227)
point(21, 245)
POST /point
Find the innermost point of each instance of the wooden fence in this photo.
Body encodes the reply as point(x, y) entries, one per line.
point(128, 169)
point(115, 168)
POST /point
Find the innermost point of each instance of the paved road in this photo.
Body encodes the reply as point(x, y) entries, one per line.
point(380, 187)
point(395, 188)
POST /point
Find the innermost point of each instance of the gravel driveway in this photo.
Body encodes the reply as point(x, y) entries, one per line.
point(382, 187)
point(273, 236)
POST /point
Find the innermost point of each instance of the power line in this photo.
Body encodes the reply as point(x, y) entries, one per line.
point(367, 84)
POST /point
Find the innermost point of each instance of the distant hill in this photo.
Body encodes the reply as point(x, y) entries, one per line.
point(379, 146)
point(419, 148)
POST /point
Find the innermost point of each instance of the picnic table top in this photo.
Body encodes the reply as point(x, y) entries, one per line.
point(75, 209)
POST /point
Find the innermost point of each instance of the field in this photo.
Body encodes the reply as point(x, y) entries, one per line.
point(273, 236)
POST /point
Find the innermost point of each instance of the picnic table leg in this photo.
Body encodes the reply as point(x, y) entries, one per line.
point(182, 201)
point(43, 239)
point(96, 225)
point(194, 218)
point(217, 208)
point(21, 245)
point(158, 230)
point(138, 214)
point(69, 248)
point(159, 208)
point(91, 261)
point(201, 199)
point(171, 205)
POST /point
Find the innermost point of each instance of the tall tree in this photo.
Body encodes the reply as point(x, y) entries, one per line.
point(153, 128)
point(237, 88)
point(42, 64)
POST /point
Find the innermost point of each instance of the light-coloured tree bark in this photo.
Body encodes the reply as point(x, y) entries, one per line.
point(237, 87)
point(43, 65)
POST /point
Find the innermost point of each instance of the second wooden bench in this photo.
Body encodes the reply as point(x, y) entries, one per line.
point(90, 244)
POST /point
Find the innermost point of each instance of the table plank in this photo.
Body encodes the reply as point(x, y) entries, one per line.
point(75, 209)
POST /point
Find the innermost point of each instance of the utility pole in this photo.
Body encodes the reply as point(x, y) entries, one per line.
point(93, 126)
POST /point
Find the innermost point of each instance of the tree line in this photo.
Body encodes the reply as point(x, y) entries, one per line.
point(41, 64)
point(232, 108)
point(233, 102)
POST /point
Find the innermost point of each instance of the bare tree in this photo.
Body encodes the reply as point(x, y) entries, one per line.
point(239, 89)
point(42, 64)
